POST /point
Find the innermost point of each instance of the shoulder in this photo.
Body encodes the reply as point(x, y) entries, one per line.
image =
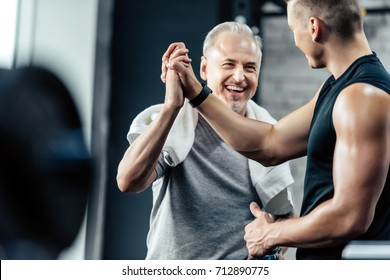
point(362, 98)
point(362, 107)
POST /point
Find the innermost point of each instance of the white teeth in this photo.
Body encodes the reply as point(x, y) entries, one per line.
point(235, 88)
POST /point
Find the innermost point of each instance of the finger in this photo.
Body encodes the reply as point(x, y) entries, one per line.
point(172, 47)
point(179, 57)
point(165, 61)
point(180, 66)
point(251, 251)
point(184, 59)
point(168, 54)
point(179, 52)
point(255, 209)
point(163, 72)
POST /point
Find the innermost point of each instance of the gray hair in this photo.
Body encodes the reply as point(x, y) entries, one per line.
point(232, 27)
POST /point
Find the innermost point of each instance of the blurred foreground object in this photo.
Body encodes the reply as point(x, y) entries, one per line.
point(45, 168)
point(367, 250)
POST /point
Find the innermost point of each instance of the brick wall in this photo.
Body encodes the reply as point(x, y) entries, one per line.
point(287, 82)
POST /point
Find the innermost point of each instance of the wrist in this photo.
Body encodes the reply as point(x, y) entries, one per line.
point(173, 104)
point(193, 91)
point(272, 240)
point(203, 93)
point(171, 109)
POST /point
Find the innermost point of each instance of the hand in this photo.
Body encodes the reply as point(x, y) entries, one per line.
point(176, 58)
point(173, 91)
point(255, 233)
point(173, 51)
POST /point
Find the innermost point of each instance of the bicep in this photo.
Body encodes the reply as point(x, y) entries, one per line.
point(361, 157)
point(289, 137)
point(359, 174)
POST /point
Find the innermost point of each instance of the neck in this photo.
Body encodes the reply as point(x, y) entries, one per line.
point(342, 54)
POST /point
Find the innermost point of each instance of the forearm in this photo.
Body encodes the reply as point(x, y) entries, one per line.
point(323, 227)
point(248, 137)
point(136, 169)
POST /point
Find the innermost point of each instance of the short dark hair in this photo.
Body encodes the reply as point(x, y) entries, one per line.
point(342, 17)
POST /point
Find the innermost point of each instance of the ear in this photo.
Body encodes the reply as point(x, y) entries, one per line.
point(315, 29)
point(203, 68)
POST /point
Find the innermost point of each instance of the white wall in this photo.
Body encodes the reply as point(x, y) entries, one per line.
point(61, 36)
point(8, 23)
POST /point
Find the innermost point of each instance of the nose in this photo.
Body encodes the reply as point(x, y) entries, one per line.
point(239, 74)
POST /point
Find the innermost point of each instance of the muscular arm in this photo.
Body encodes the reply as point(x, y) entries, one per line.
point(265, 143)
point(361, 161)
point(136, 170)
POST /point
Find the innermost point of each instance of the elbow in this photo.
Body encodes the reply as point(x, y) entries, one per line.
point(126, 185)
point(129, 180)
point(361, 223)
point(123, 184)
point(359, 228)
point(355, 228)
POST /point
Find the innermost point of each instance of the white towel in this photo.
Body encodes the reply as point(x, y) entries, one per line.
point(271, 183)
point(180, 138)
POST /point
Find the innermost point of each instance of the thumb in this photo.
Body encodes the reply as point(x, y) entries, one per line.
point(255, 209)
point(178, 66)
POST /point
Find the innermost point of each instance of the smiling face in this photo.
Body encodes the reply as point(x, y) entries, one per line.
point(231, 68)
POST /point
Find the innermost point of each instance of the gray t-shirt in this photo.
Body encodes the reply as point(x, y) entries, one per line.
point(201, 206)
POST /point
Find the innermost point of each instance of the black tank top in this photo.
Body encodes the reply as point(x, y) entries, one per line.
point(318, 185)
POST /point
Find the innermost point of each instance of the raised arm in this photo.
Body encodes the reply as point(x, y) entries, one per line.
point(136, 170)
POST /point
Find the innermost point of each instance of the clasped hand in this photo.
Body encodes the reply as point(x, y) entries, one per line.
point(176, 59)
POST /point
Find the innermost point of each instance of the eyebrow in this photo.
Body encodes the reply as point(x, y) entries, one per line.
point(251, 63)
point(234, 60)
